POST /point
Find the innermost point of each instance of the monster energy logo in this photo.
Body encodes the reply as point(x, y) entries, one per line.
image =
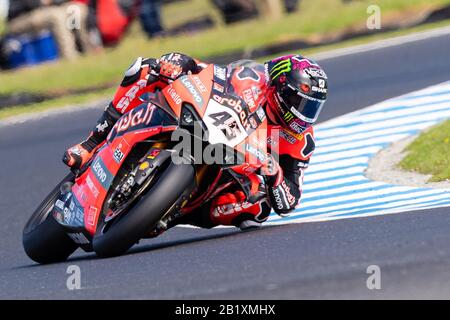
point(288, 116)
point(281, 67)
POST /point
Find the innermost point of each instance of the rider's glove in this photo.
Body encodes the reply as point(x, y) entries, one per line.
point(76, 156)
point(279, 191)
point(174, 65)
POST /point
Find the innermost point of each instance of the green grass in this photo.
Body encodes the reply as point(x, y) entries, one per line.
point(108, 67)
point(84, 98)
point(313, 18)
point(430, 153)
point(79, 100)
point(365, 39)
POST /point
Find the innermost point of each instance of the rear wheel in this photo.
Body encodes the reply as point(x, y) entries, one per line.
point(44, 239)
point(116, 237)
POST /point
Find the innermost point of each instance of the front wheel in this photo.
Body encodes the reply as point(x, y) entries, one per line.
point(146, 213)
point(44, 239)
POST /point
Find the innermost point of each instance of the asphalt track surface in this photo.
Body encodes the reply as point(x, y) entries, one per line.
point(299, 261)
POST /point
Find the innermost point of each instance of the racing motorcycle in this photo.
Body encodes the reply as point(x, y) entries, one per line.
point(132, 187)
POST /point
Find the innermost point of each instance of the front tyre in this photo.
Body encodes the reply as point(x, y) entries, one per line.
point(44, 239)
point(142, 218)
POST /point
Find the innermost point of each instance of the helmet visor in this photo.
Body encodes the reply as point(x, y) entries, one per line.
point(301, 105)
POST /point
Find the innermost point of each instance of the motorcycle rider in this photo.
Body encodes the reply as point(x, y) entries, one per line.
point(292, 90)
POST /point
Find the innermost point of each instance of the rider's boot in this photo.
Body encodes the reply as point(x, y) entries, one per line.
point(76, 156)
point(233, 209)
point(229, 209)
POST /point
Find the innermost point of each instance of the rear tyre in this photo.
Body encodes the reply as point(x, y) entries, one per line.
point(44, 239)
point(143, 217)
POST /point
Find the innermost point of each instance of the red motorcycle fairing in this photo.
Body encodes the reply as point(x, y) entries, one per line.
point(129, 190)
point(79, 209)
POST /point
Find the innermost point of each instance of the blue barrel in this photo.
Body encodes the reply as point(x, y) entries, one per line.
point(20, 51)
point(45, 47)
point(27, 50)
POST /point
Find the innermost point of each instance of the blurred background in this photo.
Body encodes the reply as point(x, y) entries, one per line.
point(60, 52)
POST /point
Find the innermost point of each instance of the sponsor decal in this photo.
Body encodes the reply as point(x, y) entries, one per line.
point(144, 165)
point(101, 173)
point(236, 105)
point(192, 89)
point(59, 205)
point(72, 214)
point(220, 73)
point(317, 89)
point(130, 95)
point(278, 200)
point(218, 87)
point(248, 98)
point(296, 127)
point(280, 67)
point(135, 118)
point(228, 209)
point(287, 192)
point(198, 82)
point(174, 95)
point(92, 216)
point(286, 136)
point(321, 83)
point(68, 215)
point(231, 102)
point(253, 123)
point(261, 114)
point(317, 73)
point(102, 126)
point(92, 187)
point(288, 116)
point(154, 154)
point(290, 136)
point(254, 151)
point(321, 88)
point(118, 154)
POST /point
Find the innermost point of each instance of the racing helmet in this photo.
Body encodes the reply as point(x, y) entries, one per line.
point(299, 90)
